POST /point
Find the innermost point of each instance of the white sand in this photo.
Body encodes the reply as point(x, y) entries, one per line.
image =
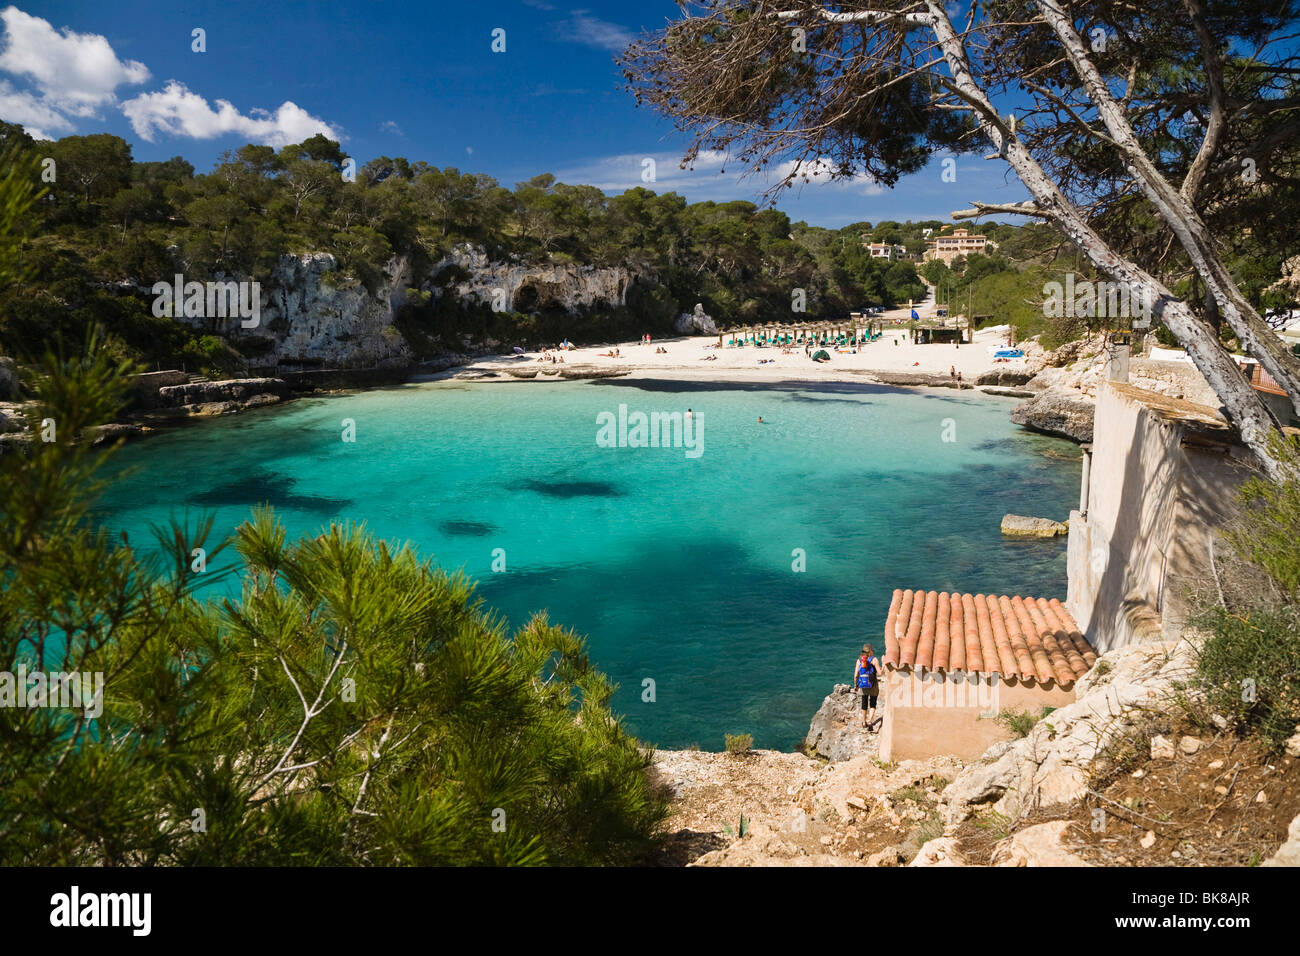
point(687, 358)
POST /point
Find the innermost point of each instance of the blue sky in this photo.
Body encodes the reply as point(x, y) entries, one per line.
point(412, 79)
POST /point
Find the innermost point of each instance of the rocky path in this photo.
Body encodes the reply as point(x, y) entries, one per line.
point(1123, 752)
point(798, 810)
point(838, 807)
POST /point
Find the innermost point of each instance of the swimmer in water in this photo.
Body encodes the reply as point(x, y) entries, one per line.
point(760, 420)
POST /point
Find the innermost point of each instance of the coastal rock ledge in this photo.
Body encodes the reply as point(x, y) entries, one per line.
point(835, 732)
point(1021, 526)
point(1057, 411)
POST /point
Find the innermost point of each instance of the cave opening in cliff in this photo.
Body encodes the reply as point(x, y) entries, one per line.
point(532, 297)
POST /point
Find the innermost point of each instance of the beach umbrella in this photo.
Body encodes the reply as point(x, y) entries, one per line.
point(518, 351)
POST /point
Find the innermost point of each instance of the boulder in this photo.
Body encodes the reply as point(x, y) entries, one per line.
point(1005, 377)
point(941, 851)
point(147, 385)
point(1293, 744)
point(1067, 353)
point(1020, 526)
point(113, 431)
point(12, 418)
point(8, 380)
point(228, 390)
point(697, 322)
point(1288, 854)
point(889, 856)
point(1058, 411)
point(1039, 845)
point(835, 732)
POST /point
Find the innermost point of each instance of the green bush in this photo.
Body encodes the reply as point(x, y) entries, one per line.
point(1020, 722)
point(1268, 533)
point(1249, 669)
point(739, 743)
point(1249, 663)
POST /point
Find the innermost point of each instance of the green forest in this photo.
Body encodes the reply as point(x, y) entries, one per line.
point(108, 227)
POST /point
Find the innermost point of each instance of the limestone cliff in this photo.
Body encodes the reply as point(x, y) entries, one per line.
point(520, 287)
point(313, 315)
point(334, 321)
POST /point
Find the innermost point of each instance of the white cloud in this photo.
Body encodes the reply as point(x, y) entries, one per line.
point(180, 112)
point(28, 111)
point(390, 126)
point(74, 73)
point(581, 27)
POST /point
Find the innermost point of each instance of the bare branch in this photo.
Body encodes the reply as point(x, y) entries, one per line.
point(1027, 208)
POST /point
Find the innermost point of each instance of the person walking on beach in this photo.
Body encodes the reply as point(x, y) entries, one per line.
point(866, 681)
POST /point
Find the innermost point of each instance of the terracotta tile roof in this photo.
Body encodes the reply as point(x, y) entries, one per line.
point(1011, 636)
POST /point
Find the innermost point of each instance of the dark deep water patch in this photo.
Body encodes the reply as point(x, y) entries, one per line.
point(569, 489)
point(467, 529)
point(266, 487)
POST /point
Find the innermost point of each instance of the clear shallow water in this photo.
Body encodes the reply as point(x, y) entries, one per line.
point(678, 569)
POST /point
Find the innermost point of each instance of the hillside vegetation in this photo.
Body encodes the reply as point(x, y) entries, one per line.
point(108, 227)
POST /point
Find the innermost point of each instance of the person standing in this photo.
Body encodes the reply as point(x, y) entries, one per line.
point(866, 681)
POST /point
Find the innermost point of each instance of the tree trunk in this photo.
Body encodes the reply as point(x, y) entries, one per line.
point(1187, 225)
point(1244, 405)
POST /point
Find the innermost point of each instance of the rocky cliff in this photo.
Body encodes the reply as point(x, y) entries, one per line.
point(836, 731)
point(520, 287)
point(1135, 772)
point(798, 811)
point(312, 315)
point(334, 321)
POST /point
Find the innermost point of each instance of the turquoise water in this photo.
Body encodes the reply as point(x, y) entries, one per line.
point(678, 569)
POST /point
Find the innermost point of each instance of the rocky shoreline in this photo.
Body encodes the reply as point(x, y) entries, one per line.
point(1062, 389)
point(1027, 801)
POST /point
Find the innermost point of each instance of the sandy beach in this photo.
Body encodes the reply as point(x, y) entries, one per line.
point(699, 358)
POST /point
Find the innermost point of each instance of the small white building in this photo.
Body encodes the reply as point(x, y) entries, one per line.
point(885, 250)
